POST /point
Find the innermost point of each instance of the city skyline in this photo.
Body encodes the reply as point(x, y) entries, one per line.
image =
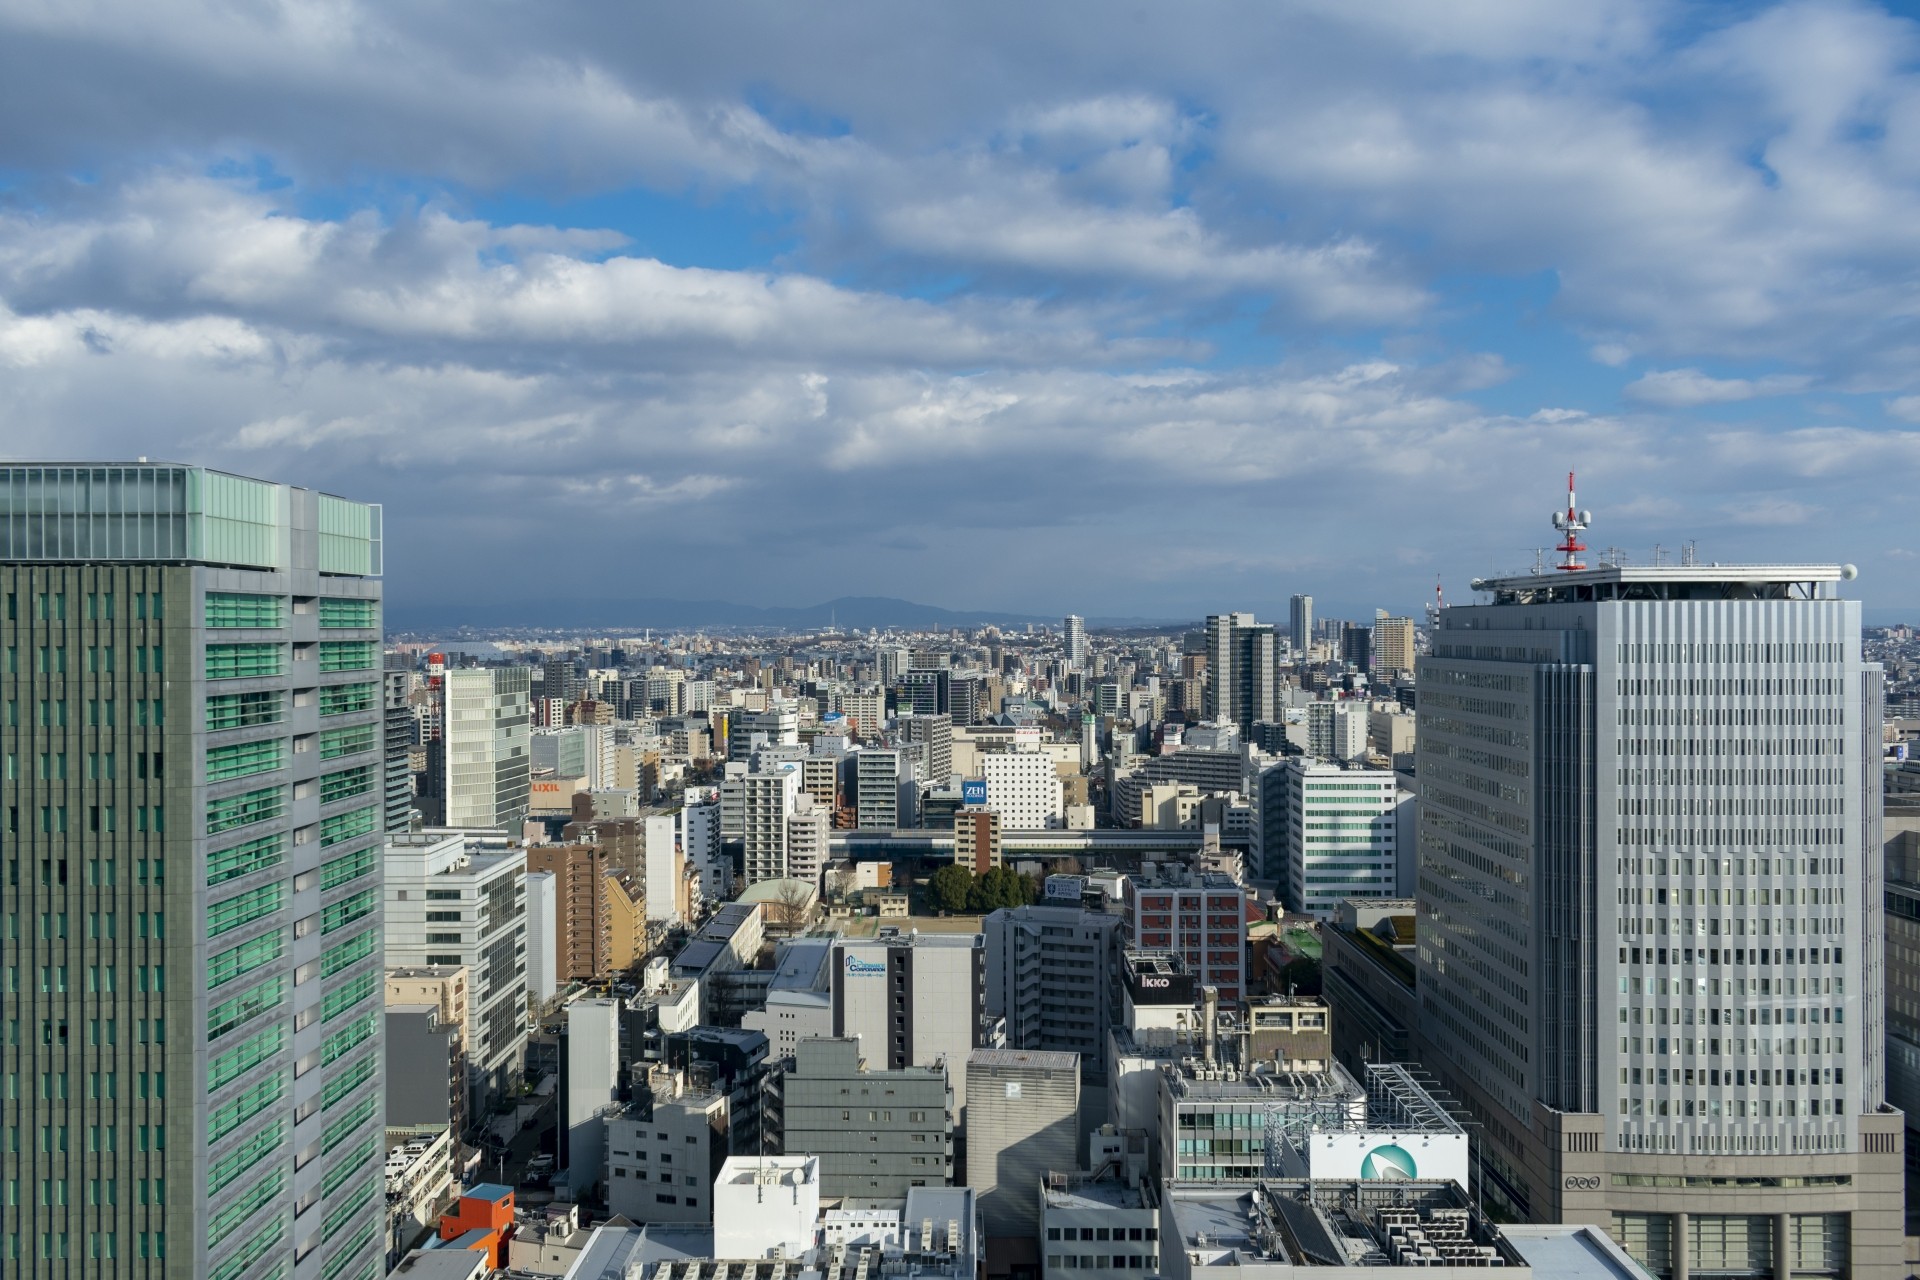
point(1347, 291)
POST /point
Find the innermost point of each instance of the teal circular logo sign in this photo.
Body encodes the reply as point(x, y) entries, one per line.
point(1389, 1164)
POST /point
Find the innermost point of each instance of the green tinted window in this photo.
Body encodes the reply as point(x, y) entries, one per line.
point(342, 1129)
point(349, 655)
point(245, 859)
point(246, 1155)
point(247, 1202)
point(351, 740)
point(231, 1014)
point(340, 870)
point(250, 806)
point(240, 759)
point(346, 826)
point(342, 699)
point(245, 1107)
point(347, 910)
point(244, 710)
point(245, 1056)
point(356, 781)
point(336, 615)
point(241, 661)
point(245, 958)
point(244, 909)
point(342, 1217)
point(350, 1163)
point(347, 995)
point(342, 1042)
point(230, 609)
point(354, 949)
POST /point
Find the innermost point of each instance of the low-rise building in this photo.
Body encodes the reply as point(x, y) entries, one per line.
point(1096, 1225)
point(419, 1179)
point(664, 1151)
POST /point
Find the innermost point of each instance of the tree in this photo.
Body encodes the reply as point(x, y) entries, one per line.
point(951, 887)
point(789, 904)
point(1001, 887)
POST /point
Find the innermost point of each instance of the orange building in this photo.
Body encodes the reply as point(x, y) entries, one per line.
point(482, 1219)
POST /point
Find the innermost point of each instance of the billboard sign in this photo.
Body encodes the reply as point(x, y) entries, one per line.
point(973, 791)
point(858, 968)
point(1389, 1157)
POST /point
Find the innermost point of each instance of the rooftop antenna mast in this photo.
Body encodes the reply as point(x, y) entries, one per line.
point(1571, 523)
point(1433, 610)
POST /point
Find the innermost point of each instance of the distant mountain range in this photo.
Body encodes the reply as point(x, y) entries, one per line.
point(849, 613)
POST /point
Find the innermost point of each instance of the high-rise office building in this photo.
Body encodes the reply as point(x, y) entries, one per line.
point(768, 800)
point(1393, 644)
point(1241, 677)
point(1050, 977)
point(488, 759)
point(1076, 630)
point(883, 790)
point(397, 735)
point(933, 734)
point(1343, 836)
point(1356, 646)
point(451, 902)
point(194, 799)
point(1024, 788)
point(1300, 624)
point(1650, 894)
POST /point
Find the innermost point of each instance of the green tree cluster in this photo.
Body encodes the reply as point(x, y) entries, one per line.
point(955, 888)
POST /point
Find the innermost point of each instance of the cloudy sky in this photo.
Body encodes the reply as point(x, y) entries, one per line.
point(1116, 306)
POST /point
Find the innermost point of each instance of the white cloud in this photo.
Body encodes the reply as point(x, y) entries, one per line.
point(1690, 388)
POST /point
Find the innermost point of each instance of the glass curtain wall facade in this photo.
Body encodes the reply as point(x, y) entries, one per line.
point(190, 1079)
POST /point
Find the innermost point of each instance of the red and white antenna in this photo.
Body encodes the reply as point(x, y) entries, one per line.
point(1433, 610)
point(1571, 523)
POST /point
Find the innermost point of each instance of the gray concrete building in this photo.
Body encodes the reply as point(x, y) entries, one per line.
point(426, 1071)
point(1023, 1122)
point(191, 667)
point(876, 1133)
point(1050, 977)
point(1652, 912)
point(1242, 678)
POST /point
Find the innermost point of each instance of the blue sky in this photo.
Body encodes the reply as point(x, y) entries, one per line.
point(1118, 308)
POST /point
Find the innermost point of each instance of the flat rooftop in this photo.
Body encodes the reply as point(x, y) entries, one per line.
point(1034, 1059)
point(1108, 1193)
point(1668, 582)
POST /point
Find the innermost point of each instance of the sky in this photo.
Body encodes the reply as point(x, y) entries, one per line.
point(1115, 307)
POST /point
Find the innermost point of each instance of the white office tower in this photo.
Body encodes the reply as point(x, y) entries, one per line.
point(489, 774)
point(700, 842)
point(1337, 730)
point(1023, 787)
point(1300, 624)
point(809, 829)
point(1650, 910)
point(543, 941)
point(767, 801)
point(1343, 836)
point(1076, 628)
point(664, 860)
point(592, 1054)
point(449, 901)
